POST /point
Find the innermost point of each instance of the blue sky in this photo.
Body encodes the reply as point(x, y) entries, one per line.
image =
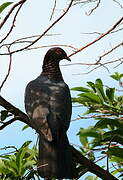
point(33, 19)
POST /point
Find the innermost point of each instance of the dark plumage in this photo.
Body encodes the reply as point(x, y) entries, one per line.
point(48, 104)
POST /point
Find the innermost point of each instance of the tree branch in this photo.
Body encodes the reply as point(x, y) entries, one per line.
point(9, 69)
point(92, 167)
point(100, 37)
point(93, 9)
point(15, 111)
point(33, 42)
point(13, 23)
point(9, 13)
point(7, 123)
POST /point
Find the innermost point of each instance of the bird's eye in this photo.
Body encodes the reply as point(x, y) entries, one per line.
point(58, 51)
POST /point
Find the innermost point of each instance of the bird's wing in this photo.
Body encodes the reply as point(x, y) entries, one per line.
point(49, 107)
point(37, 108)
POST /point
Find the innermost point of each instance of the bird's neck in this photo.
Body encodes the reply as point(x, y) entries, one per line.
point(52, 71)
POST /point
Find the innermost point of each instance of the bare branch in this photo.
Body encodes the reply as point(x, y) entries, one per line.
point(8, 147)
point(98, 116)
point(53, 45)
point(97, 64)
point(76, 2)
point(55, 22)
point(118, 3)
point(99, 33)
point(100, 37)
point(108, 52)
point(13, 23)
point(53, 10)
point(25, 40)
point(8, 123)
point(92, 10)
point(10, 12)
point(9, 69)
point(15, 111)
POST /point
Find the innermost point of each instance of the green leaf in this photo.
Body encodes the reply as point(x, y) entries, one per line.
point(26, 144)
point(83, 89)
point(80, 100)
point(84, 141)
point(92, 85)
point(92, 97)
point(91, 178)
point(110, 94)
point(19, 159)
point(117, 76)
point(25, 127)
point(114, 133)
point(116, 159)
point(4, 5)
point(100, 90)
point(115, 151)
point(117, 171)
point(28, 164)
point(4, 115)
point(104, 122)
point(89, 133)
point(116, 139)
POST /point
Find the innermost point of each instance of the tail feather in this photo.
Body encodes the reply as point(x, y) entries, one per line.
point(55, 159)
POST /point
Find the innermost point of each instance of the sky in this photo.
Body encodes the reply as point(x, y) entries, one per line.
point(33, 19)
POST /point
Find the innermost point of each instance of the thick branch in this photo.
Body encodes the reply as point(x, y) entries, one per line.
point(92, 167)
point(15, 111)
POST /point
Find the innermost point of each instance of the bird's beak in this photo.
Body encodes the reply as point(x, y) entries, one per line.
point(68, 58)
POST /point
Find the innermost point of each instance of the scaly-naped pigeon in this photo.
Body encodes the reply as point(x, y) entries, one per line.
point(48, 105)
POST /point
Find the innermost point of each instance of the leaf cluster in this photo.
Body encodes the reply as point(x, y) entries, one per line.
point(4, 6)
point(20, 164)
point(106, 135)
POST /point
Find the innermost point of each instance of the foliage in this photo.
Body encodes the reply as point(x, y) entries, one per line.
point(4, 5)
point(19, 165)
point(106, 135)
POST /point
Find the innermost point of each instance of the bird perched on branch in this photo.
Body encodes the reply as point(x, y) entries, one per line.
point(48, 105)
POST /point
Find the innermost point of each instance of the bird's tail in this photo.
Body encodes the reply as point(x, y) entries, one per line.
point(55, 159)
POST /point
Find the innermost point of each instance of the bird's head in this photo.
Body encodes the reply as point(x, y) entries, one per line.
point(56, 54)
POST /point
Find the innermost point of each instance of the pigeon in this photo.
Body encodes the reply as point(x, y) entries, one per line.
point(49, 107)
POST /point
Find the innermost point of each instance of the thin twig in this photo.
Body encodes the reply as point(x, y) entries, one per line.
point(10, 12)
point(55, 22)
point(9, 69)
point(53, 10)
point(2, 155)
point(23, 40)
point(99, 33)
point(53, 45)
point(92, 10)
point(118, 3)
point(108, 52)
point(98, 65)
point(8, 147)
point(8, 123)
point(100, 37)
point(97, 116)
point(13, 23)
